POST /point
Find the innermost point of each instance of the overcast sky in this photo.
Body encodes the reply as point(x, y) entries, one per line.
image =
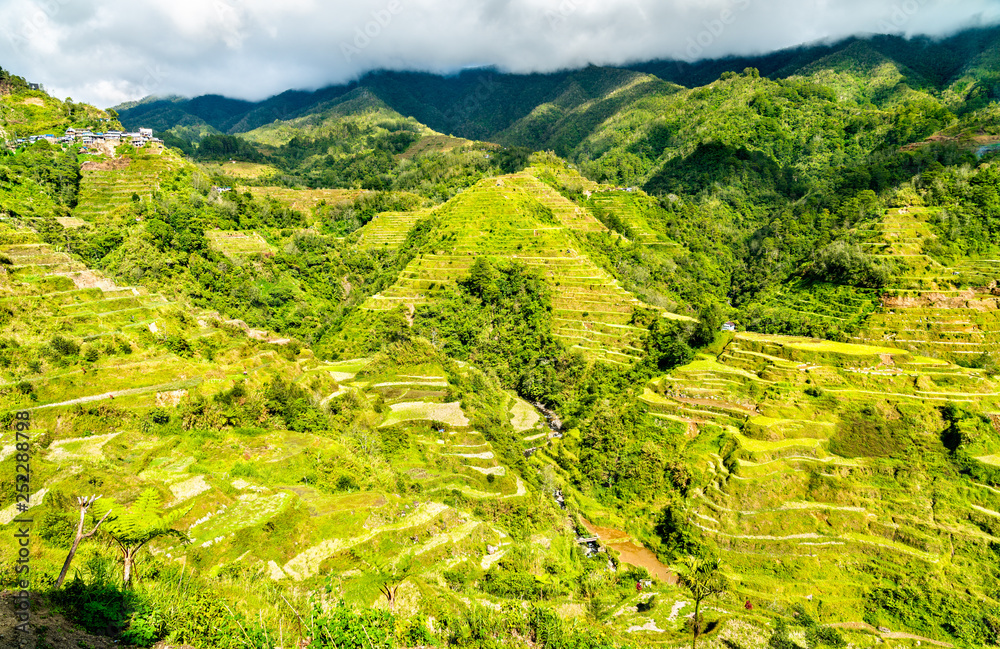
point(108, 51)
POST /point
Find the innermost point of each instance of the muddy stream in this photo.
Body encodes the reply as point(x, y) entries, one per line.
point(630, 552)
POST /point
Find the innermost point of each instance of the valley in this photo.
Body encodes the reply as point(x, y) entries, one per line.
point(364, 377)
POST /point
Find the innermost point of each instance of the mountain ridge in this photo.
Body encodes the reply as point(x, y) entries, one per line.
point(449, 103)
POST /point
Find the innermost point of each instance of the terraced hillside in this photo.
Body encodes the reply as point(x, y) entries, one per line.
point(508, 217)
point(136, 343)
point(945, 311)
point(810, 500)
point(303, 200)
point(179, 402)
point(388, 230)
point(237, 245)
point(631, 206)
point(145, 354)
point(430, 442)
point(566, 211)
point(105, 187)
point(821, 307)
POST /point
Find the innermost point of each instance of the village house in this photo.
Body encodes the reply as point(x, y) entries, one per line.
point(87, 138)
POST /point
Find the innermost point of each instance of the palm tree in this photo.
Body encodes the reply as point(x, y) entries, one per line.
point(141, 523)
point(390, 576)
point(702, 578)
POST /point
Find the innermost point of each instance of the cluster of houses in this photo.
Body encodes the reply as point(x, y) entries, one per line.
point(138, 139)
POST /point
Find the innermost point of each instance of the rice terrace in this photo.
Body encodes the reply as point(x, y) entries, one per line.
point(664, 351)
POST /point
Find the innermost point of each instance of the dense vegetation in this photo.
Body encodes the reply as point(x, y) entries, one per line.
point(375, 393)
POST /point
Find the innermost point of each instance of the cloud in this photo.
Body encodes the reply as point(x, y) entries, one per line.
point(108, 51)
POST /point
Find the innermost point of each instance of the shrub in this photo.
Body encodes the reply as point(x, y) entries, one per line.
point(60, 346)
point(817, 636)
point(456, 579)
point(178, 345)
point(56, 528)
point(517, 585)
point(205, 620)
point(843, 263)
point(159, 416)
point(343, 628)
point(98, 607)
point(346, 483)
point(414, 632)
point(647, 605)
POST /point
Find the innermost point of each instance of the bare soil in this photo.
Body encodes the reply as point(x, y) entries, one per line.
point(115, 164)
point(46, 628)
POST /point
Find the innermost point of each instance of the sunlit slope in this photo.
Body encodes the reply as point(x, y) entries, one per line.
point(947, 311)
point(517, 217)
point(829, 470)
point(108, 186)
point(388, 230)
point(122, 341)
point(137, 392)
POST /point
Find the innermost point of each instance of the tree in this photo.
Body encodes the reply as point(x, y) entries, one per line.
point(142, 523)
point(844, 263)
point(667, 343)
point(85, 504)
point(702, 578)
point(390, 576)
point(482, 280)
point(710, 319)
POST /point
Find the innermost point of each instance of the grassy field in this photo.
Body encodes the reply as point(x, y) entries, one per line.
point(303, 200)
point(240, 170)
point(238, 246)
point(435, 143)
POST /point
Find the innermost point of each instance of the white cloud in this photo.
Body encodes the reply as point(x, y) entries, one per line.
point(107, 51)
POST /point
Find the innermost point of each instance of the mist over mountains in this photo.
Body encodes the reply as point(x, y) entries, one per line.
point(104, 52)
point(468, 104)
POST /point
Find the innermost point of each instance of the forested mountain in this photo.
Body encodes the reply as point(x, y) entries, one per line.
point(460, 105)
point(517, 360)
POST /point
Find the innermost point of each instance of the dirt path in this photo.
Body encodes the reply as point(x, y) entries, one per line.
point(892, 635)
point(910, 636)
point(163, 387)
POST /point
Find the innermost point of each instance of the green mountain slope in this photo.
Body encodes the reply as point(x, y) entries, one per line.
point(461, 105)
point(827, 477)
point(487, 396)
